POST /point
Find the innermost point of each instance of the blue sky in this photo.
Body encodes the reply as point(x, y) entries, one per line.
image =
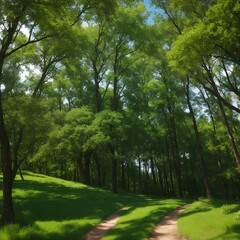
point(149, 6)
point(147, 3)
point(151, 9)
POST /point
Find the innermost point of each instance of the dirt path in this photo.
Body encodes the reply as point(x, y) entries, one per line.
point(166, 229)
point(102, 228)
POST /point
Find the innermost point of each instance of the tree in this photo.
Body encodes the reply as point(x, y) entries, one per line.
point(39, 21)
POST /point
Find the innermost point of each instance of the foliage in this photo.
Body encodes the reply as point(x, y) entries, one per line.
point(104, 93)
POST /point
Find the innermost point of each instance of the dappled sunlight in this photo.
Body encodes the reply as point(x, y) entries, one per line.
point(210, 220)
point(66, 227)
point(139, 219)
point(50, 208)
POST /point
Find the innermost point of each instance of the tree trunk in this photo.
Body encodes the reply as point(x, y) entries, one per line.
point(20, 173)
point(199, 145)
point(216, 143)
point(229, 133)
point(98, 169)
point(123, 182)
point(146, 184)
point(114, 174)
point(176, 157)
point(114, 169)
point(139, 175)
point(153, 171)
point(215, 91)
point(87, 162)
point(7, 211)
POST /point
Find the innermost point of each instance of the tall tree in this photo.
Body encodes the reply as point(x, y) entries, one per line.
point(39, 21)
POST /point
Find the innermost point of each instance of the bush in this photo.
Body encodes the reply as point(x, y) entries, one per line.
point(230, 208)
point(238, 217)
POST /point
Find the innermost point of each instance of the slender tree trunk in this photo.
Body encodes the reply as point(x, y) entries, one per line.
point(114, 175)
point(194, 185)
point(153, 171)
point(134, 180)
point(176, 158)
point(199, 146)
point(224, 117)
point(216, 143)
point(169, 161)
point(165, 179)
point(229, 133)
point(128, 178)
point(123, 182)
point(146, 188)
point(114, 169)
point(87, 162)
point(80, 164)
point(16, 147)
point(139, 175)
point(96, 158)
point(161, 179)
point(20, 173)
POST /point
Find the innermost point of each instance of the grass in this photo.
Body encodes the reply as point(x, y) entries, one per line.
point(48, 208)
point(137, 222)
point(211, 220)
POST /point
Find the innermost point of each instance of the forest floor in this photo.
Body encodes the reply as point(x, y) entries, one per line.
point(166, 229)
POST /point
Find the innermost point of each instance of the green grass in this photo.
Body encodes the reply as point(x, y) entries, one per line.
point(49, 208)
point(137, 222)
point(211, 220)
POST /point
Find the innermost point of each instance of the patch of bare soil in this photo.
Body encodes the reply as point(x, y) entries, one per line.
point(166, 229)
point(102, 228)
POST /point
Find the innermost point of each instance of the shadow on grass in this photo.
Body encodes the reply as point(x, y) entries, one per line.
point(220, 209)
point(50, 201)
point(57, 210)
point(144, 219)
point(203, 205)
point(49, 209)
point(206, 205)
point(232, 233)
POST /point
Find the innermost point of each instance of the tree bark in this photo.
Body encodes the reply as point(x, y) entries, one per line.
point(123, 181)
point(199, 145)
point(96, 158)
point(139, 175)
point(114, 175)
point(229, 133)
point(176, 157)
point(114, 169)
point(7, 211)
point(153, 171)
point(87, 162)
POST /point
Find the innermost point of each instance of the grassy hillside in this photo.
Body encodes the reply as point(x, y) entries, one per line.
point(49, 208)
point(211, 220)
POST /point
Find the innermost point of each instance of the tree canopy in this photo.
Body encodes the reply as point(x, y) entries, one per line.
point(103, 93)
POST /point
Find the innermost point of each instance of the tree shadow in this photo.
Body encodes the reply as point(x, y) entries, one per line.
point(232, 233)
point(74, 209)
point(140, 227)
point(40, 201)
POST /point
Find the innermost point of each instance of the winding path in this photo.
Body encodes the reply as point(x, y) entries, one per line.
point(102, 228)
point(166, 229)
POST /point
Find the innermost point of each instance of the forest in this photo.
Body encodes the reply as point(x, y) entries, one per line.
point(106, 93)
